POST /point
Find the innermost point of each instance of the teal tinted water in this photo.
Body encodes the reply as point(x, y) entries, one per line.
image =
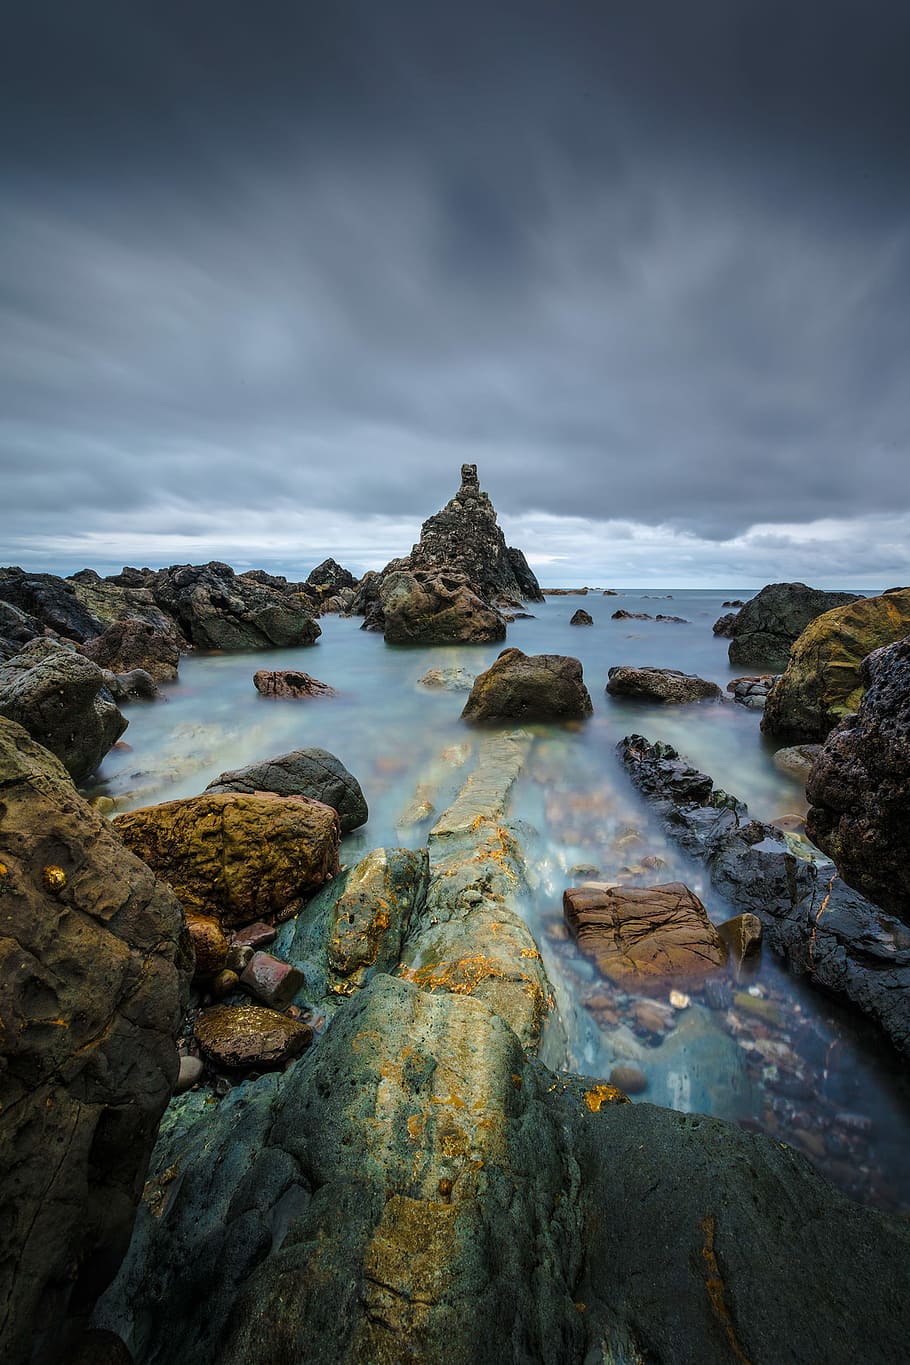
point(812, 1075)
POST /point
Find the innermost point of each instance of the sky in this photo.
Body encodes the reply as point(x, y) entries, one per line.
point(270, 273)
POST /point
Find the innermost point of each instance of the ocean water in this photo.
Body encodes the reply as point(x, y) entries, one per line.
point(802, 1069)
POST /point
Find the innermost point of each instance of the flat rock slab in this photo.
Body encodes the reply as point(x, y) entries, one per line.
point(645, 935)
point(235, 856)
point(244, 1037)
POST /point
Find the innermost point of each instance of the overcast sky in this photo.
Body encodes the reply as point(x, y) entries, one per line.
point(271, 272)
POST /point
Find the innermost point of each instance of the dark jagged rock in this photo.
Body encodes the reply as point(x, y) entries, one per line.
point(130, 577)
point(582, 618)
point(623, 615)
point(50, 601)
point(61, 699)
point(130, 644)
point(724, 624)
point(673, 620)
point(111, 603)
point(94, 968)
point(519, 686)
point(528, 588)
point(822, 683)
point(290, 683)
point(436, 606)
point(859, 786)
point(752, 691)
point(764, 630)
point(329, 575)
point(16, 629)
point(216, 609)
point(829, 932)
point(304, 772)
point(666, 685)
point(137, 685)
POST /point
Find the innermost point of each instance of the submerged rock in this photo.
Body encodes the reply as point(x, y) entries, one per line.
point(436, 606)
point(764, 630)
point(859, 787)
point(644, 936)
point(60, 698)
point(660, 684)
point(290, 684)
point(822, 683)
point(529, 687)
point(448, 679)
point(828, 932)
point(309, 772)
point(95, 970)
point(234, 856)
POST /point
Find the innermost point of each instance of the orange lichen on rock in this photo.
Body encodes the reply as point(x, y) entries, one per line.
point(602, 1094)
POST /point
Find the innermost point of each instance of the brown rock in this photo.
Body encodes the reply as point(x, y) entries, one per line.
point(235, 856)
point(272, 981)
point(209, 943)
point(243, 1037)
point(224, 983)
point(290, 683)
point(660, 684)
point(519, 686)
point(742, 935)
point(630, 1079)
point(258, 935)
point(130, 644)
point(645, 934)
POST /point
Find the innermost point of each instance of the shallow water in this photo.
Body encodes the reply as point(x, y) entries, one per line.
point(810, 1074)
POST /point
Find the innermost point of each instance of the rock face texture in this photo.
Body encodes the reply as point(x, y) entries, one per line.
point(822, 682)
point(51, 602)
point(829, 932)
point(247, 1036)
point(94, 970)
point(330, 577)
point(304, 772)
point(724, 624)
point(645, 935)
point(763, 631)
point(660, 684)
point(290, 684)
point(61, 699)
point(216, 609)
point(528, 687)
point(436, 606)
point(131, 644)
point(859, 786)
point(582, 618)
point(236, 857)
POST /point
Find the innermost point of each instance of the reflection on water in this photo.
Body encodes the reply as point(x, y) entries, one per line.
point(769, 1052)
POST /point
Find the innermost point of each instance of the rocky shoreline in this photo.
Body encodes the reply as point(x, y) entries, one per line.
point(371, 1153)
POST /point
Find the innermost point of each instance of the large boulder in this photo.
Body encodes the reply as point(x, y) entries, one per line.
point(216, 609)
point(724, 624)
point(234, 856)
point(822, 683)
point(329, 578)
point(94, 970)
point(51, 602)
point(61, 699)
point(660, 684)
point(859, 786)
point(528, 687)
point(130, 644)
point(304, 772)
point(124, 598)
point(763, 631)
point(644, 936)
point(436, 606)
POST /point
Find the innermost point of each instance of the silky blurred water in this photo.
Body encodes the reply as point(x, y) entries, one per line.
point(814, 1076)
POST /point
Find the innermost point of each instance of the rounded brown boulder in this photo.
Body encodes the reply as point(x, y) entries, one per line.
point(519, 686)
point(245, 1036)
point(209, 943)
point(234, 856)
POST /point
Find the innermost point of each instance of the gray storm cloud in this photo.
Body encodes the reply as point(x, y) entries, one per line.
point(649, 267)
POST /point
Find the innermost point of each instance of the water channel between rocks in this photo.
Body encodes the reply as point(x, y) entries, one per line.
point(781, 1056)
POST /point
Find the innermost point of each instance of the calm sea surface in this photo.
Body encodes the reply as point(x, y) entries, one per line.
point(790, 1063)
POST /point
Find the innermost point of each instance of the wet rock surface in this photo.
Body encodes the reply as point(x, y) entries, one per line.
point(311, 772)
point(764, 630)
point(94, 969)
point(234, 856)
point(660, 684)
point(830, 933)
point(290, 684)
point(645, 935)
point(250, 1037)
point(859, 787)
point(527, 687)
point(822, 682)
point(60, 698)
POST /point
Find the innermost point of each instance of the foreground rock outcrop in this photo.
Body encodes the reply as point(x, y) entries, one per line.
point(859, 786)
point(519, 686)
point(310, 772)
point(829, 932)
point(94, 970)
point(237, 857)
point(763, 631)
point(822, 682)
point(63, 701)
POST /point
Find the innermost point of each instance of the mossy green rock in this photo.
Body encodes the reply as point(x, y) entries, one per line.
point(822, 682)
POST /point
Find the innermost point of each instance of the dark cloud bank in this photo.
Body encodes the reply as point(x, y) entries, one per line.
point(270, 273)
